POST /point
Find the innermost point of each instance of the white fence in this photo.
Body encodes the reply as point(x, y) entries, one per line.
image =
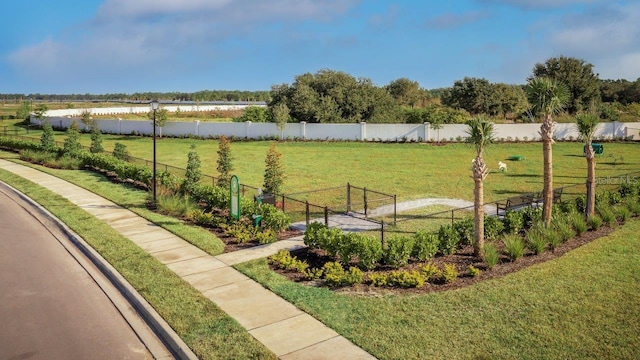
point(351, 132)
point(145, 109)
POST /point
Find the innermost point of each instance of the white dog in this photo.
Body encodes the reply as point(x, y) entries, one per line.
point(502, 166)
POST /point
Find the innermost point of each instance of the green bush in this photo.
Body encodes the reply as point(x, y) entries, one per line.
point(274, 218)
point(266, 236)
point(581, 204)
point(537, 238)
point(378, 279)
point(201, 218)
point(594, 222)
point(473, 271)
point(406, 279)
point(606, 214)
point(367, 249)
point(120, 152)
point(633, 204)
point(449, 273)
point(448, 239)
point(330, 241)
point(627, 190)
point(579, 223)
point(513, 246)
point(530, 216)
point(622, 213)
point(491, 256)
point(430, 271)
point(425, 245)
point(493, 227)
point(464, 228)
point(397, 251)
point(563, 226)
point(283, 260)
point(513, 221)
point(335, 275)
point(311, 235)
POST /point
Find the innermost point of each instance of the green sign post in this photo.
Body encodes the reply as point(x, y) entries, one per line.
point(234, 202)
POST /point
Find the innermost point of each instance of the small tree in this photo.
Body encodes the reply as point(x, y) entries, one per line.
point(23, 111)
point(586, 125)
point(86, 119)
point(224, 162)
point(72, 142)
point(281, 116)
point(120, 152)
point(193, 173)
point(96, 140)
point(274, 171)
point(40, 111)
point(46, 140)
point(162, 115)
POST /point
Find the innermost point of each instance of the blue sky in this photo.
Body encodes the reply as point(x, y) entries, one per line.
point(111, 46)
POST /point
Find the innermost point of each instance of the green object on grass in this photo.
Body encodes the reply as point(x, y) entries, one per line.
point(516, 158)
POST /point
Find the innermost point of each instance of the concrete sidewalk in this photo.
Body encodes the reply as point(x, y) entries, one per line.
point(284, 329)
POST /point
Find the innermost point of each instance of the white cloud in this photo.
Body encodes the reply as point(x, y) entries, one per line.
point(451, 20)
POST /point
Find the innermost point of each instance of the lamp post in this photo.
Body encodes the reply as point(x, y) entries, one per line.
point(154, 107)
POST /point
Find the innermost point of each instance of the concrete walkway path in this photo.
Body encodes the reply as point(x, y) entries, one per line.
point(284, 329)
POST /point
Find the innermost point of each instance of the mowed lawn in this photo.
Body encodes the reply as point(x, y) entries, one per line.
point(409, 170)
point(583, 305)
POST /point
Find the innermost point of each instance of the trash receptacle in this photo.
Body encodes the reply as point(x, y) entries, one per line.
point(266, 199)
point(257, 219)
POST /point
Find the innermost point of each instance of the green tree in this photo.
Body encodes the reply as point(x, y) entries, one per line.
point(86, 119)
point(72, 142)
point(586, 124)
point(225, 165)
point(577, 75)
point(96, 140)
point(193, 174)
point(162, 115)
point(120, 151)
point(405, 91)
point(508, 101)
point(480, 134)
point(274, 171)
point(256, 114)
point(547, 97)
point(471, 94)
point(281, 116)
point(40, 112)
point(24, 111)
point(47, 143)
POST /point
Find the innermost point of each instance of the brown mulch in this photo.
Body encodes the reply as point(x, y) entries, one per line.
point(462, 259)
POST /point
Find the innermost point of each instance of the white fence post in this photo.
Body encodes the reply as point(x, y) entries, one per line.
point(363, 131)
point(303, 130)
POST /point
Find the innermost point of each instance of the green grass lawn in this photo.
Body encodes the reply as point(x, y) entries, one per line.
point(583, 305)
point(206, 329)
point(409, 170)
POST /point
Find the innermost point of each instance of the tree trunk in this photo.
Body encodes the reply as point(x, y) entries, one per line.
point(591, 180)
point(478, 223)
point(546, 131)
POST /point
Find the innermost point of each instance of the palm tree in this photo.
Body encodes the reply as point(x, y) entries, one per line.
point(547, 97)
point(480, 134)
point(586, 125)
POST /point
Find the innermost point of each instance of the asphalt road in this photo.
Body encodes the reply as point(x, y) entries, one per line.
point(51, 306)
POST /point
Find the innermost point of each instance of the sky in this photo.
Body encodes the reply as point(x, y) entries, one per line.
point(127, 46)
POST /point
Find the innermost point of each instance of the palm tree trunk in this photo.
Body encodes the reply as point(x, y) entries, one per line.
point(478, 223)
point(546, 131)
point(591, 180)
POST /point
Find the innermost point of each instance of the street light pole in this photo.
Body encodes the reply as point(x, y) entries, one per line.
point(154, 107)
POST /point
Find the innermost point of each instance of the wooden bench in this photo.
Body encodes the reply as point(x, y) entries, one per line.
point(515, 202)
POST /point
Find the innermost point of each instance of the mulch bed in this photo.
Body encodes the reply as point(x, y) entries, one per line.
point(462, 259)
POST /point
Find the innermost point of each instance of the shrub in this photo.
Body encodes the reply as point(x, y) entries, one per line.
point(581, 204)
point(397, 251)
point(283, 260)
point(176, 205)
point(274, 171)
point(537, 239)
point(579, 223)
point(627, 189)
point(71, 143)
point(513, 221)
point(531, 216)
point(449, 273)
point(633, 205)
point(406, 279)
point(464, 228)
point(563, 226)
point(606, 214)
point(267, 236)
point(567, 207)
point(622, 213)
point(335, 275)
point(311, 235)
point(594, 222)
point(193, 173)
point(312, 274)
point(430, 271)
point(120, 152)
point(425, 245)
point(367, 249)
point(200, 217)
point(493, 227)
point(378, 279)
point(224, 163)
point(554, 238)
point(96, 140)
point(273, 218)
point(329, 240)
point(491, 256)
point(513, 246)
point(448, 239)
point(47, 143)
point(473, 271)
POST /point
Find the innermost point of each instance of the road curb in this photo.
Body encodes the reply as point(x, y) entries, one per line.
point(153, 320)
